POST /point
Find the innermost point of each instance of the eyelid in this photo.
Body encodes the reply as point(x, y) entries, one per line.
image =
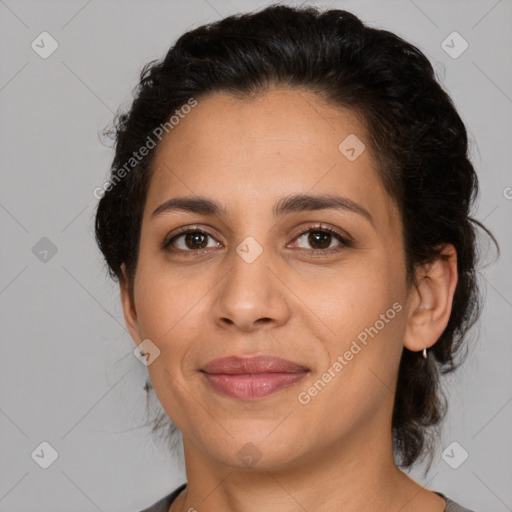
point(345, 239)
point(184, 230)
point(320, 226)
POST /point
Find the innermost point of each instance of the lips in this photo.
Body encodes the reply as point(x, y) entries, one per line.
point(254, 365)
point(250, 378)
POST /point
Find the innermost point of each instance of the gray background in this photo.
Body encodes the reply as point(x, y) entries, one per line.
point(68, 375)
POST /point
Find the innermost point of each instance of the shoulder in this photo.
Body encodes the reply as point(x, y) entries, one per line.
point(163, 504)
point(452, 506)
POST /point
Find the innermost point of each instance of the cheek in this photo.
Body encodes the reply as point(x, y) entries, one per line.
point(354, 297)
point(366, 314)
point(174, 312)
point(165, 298)
point(167, 308)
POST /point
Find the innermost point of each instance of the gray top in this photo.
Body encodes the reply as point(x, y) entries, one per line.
point(451, 506)
point(164, 504)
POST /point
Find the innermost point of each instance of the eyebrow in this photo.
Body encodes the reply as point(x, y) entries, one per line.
point(285, 206)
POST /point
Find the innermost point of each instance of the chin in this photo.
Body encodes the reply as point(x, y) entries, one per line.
point(258, 449)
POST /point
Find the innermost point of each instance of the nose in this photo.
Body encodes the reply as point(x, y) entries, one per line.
point(251, 296)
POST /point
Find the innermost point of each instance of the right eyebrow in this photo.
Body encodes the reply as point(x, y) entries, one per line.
point(201, 205)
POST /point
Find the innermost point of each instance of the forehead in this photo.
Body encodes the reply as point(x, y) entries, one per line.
point(245, 152)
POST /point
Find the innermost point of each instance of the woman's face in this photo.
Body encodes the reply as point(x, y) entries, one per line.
point(254, 285)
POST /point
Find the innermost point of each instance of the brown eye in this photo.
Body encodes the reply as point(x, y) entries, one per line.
point(193, 240)
point(189, 241)
point(320, 239)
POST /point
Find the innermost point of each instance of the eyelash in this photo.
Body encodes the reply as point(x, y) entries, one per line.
point(345, 242)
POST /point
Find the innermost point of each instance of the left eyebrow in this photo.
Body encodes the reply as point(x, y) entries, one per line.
point(304, 202)
point(285, 206)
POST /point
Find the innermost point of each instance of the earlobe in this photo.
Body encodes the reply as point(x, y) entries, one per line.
point(430, 301)
point(129, 311)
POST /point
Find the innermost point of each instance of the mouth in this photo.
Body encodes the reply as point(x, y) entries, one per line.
point(250, 378)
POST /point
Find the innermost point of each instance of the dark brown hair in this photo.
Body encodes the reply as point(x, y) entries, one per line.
point(416, 135)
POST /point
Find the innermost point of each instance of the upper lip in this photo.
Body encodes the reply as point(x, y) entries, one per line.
point(235, 365)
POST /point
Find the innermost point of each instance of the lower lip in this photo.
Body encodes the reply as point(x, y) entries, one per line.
point(251, 387)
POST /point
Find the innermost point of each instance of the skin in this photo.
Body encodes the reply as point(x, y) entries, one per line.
point(247, 154)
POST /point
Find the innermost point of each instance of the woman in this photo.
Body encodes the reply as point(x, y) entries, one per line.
point(288, 216)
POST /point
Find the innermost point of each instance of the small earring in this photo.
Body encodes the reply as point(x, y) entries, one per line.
point(425, 352)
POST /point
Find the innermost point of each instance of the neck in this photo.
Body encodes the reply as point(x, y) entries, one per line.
point(356, 474)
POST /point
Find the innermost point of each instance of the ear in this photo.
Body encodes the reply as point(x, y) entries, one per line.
point(128, 303)
point(430, 300)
